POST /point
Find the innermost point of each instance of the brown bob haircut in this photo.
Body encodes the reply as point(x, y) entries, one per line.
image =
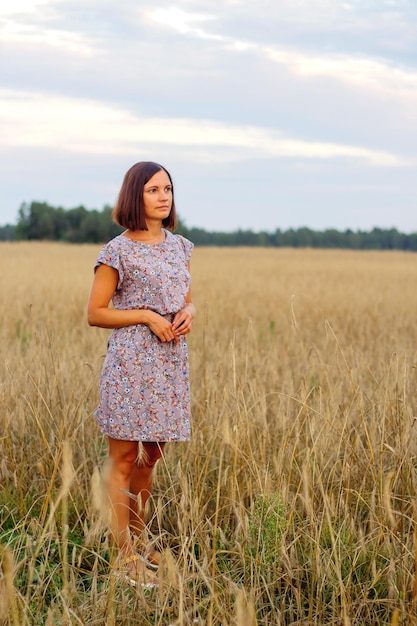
point(129, 210)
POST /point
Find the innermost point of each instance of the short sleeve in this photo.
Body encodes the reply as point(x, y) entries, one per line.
point(110, 255)
point(187, 247)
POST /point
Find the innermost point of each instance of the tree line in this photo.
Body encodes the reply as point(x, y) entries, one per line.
point(41, 221)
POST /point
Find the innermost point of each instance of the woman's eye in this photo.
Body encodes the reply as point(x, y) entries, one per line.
point(155, 189)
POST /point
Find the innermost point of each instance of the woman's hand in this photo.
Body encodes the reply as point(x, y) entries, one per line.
point(160, 327)
point(183, 320)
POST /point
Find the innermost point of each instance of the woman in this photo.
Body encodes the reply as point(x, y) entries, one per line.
point(144, 387)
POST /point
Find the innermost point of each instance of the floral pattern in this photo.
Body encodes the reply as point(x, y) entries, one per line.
point(144, 385)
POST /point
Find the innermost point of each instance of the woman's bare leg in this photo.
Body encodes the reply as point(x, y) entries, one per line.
point(122, 461)
point(123, 457)
point(141, 484)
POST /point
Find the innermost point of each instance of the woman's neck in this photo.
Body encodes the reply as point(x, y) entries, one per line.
point(154, 234)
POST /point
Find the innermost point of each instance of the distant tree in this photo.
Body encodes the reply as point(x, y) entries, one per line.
point(290, 238)
point(332, 238)
point(304, 237)
point(7, 232)
point(73, 220)
point(91, 227)
point(278, 238)
point(182, 228)
point(201, 237)
point(352, 239)
point(23, 222)
point(39, 220)
point(411, 242)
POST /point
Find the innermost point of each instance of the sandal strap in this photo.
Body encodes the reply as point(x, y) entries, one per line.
point(145, 578)
point(131, 559)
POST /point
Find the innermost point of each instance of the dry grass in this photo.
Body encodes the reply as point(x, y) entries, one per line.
point(294, 501)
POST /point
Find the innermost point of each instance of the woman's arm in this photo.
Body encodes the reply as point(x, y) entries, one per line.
point(183, 320)
point(100, 314)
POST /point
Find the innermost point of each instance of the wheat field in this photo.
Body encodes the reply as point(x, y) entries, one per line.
point(294, 502)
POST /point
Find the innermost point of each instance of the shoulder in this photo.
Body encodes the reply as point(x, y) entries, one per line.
point(114, 244)
point(180, 241)
point(112, 253)
point(114, 247)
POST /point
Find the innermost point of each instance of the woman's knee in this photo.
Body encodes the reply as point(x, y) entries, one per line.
point(151, 453)
point(123, 454)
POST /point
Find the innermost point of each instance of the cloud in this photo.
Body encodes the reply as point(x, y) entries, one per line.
point(21, 6)
point(182, 21)
point(26, 34)
point(33, 119)
point(366, 72)
point(358, 71)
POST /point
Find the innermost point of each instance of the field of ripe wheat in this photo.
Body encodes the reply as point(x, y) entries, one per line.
point(295, 501)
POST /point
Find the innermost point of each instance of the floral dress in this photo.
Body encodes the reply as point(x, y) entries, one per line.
point(144, 385)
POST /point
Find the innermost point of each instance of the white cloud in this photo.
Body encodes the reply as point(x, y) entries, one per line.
point(87, 126)
point(178, 19)
point(361, 71)
point(21, 6)
point(182, 21)
point(366, 72)
point(29, 34)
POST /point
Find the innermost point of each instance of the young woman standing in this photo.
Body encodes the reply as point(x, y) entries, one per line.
point(144, 387)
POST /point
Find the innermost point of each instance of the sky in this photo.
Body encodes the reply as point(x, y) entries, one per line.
point(268, 114)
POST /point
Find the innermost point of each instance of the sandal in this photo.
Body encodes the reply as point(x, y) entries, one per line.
point(138, 577)
point(148, 556)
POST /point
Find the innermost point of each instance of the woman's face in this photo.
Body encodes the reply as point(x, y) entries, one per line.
point(157, 197)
